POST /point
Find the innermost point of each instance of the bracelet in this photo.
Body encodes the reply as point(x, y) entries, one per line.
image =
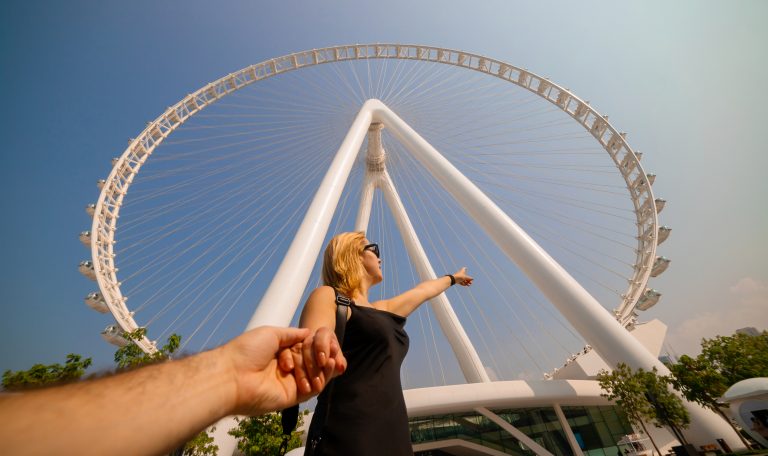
point(453, 279)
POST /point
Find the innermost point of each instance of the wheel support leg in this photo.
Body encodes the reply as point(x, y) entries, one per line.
point(588, 317)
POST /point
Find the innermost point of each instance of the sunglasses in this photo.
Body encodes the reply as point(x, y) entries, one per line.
point(373, 248)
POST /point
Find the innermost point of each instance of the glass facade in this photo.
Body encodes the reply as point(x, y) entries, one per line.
point(597, 429)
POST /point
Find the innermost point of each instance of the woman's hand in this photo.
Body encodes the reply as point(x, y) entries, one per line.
point(316, 361)
point(275, 368)
point(462, 278)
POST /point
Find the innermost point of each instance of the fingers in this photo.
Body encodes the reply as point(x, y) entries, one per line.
point(311, 362)
point(325, 345)
point(324, 378)
point(339, 365)
point(285, 360)
point(462, 278)
point(335, 354)
point(320, 360)
point(288, 337)
point(299, 373)
point(328, 350)
point(335, 348)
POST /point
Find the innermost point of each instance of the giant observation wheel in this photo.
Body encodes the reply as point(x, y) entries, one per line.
point(196, 214)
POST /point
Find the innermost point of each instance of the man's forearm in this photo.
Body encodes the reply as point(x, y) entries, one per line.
point(165, 404)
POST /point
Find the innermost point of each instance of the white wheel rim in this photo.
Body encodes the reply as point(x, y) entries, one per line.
point(139, 149)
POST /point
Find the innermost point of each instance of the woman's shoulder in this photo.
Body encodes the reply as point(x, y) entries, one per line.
point(323, 290)
point(319, 309)
point(322, 294)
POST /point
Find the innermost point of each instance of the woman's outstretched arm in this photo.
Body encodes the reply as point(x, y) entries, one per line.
point(409, 301)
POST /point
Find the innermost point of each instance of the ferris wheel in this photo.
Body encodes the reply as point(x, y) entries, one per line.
point(194, 218)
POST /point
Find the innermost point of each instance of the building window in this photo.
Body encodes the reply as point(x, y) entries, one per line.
point(597, 429)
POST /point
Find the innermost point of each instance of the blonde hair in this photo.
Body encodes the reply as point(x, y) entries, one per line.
point(342, 265)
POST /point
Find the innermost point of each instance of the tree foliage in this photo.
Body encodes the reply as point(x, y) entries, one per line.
point(645, 396)
point(132, 355)
point(668, 409)
point(723, 361)
point(263, 435)
point(201, 445)
point(698, 381)
point(42, 375)
point(626, 389)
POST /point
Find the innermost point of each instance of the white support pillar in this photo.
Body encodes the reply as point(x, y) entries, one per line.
point(515, 432)
point(469, 361)
point(575, 448)
point(374, 164)
point(366, 200)
point(587, 316)
point(279, 303)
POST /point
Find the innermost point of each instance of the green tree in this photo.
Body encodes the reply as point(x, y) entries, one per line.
point(42, 375)
point(263, 435)
point(201, 445)
point(645, 397)
point(723, 361)
point(667, 408)
point(737, 357)
point(132, 355)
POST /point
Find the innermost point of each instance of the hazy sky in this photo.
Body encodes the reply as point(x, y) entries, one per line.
point(685, 79)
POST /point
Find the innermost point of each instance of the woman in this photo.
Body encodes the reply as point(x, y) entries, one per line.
point(362, 412)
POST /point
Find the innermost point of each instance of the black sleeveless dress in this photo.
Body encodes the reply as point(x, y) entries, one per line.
point(365, 408)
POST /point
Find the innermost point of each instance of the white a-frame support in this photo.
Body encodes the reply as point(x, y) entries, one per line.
point(584, 313)
point(280, 301)
point(376, 176)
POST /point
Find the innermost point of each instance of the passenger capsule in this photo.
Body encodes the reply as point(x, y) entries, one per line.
point(86, 269)
point(660, 203)
point(85, 238)
point(659, 265)
point(648, 299)
point(651, 178)
point(115, 160)
point(96, 302)
point(100, 183)
point(115, 336)
point(664, 232)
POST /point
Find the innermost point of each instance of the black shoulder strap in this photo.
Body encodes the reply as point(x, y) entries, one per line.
point(342, 304)
point(290, 416)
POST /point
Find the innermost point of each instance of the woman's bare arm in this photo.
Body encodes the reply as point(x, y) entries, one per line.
point(404, 304)
point(319, 310)
point(319, 315)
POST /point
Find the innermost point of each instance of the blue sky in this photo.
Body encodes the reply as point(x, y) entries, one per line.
point(684, 79)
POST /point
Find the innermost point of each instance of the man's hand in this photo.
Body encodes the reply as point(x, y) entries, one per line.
point(274, 368)
point(168, 403)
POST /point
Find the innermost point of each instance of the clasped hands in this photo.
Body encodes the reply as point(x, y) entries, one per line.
point(274, 368)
